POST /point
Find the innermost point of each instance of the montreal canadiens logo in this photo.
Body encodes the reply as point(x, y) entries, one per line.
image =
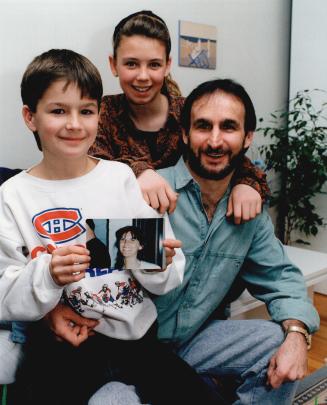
point(59, 224)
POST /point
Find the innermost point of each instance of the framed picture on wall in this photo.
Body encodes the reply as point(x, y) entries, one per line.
point(197, 45)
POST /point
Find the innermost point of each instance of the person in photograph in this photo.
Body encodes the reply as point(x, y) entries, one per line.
point(130, 245)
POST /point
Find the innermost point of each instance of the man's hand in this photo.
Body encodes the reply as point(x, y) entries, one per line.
point(290, 361)
point(68, 264)
point(244, 203)
point(67, 325)
point(157, 192)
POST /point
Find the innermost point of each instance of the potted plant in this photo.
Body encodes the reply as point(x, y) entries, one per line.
point(298, 154)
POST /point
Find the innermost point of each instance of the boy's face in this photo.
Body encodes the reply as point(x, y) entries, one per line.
point(66, 123)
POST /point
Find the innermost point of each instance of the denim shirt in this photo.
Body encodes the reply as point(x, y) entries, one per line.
point(216, 253)
point(18, 330)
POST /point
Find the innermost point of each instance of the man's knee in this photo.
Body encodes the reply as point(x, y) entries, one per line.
point(247, 341)
point(271, 333)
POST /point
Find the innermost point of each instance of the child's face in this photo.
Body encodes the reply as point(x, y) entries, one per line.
point(66, 123)
point(141, 65)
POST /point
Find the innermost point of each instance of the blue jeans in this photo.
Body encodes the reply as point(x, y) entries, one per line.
point(239, 350)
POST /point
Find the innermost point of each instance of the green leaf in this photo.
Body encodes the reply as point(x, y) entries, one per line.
point(297, 153)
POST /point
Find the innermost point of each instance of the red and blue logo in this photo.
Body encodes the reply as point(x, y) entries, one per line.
point(59, 224)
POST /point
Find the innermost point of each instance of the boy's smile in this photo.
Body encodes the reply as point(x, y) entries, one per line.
point(66, 123)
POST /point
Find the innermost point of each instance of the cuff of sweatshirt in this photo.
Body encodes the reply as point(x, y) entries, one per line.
point(49, 282)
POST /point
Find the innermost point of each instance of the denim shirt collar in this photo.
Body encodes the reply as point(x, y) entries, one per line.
point(182, 175)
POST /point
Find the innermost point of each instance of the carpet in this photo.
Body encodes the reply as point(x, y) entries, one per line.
point(312, 389)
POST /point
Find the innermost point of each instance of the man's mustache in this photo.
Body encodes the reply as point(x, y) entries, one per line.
point(215, 151)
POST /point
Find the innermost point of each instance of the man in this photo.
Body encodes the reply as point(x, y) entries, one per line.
point(262, 358)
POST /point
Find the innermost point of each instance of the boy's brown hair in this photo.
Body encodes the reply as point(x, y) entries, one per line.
point(59, 64)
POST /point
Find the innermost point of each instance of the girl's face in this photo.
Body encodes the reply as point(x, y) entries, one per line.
point(141, 66)
point(128, 245)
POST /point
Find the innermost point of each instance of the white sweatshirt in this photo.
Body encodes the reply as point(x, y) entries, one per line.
point(37, 215)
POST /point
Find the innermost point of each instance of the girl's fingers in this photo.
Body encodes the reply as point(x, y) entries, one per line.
point(154, 201)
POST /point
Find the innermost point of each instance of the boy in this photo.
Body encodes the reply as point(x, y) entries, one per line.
point(42, 248)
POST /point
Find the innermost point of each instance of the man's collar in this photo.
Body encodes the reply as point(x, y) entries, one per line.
point(182, 174)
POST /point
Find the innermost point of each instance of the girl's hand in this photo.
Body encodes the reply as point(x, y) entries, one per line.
point(244, 203)
point(157, 192)
point(68, 264)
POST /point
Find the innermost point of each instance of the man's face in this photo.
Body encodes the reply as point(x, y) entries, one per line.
point(217, 140)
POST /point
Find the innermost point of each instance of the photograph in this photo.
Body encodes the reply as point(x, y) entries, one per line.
point(133, 244)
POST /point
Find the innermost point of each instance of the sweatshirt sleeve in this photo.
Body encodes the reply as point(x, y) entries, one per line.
point(27, 290)
point(161, 282)
point(158, 283)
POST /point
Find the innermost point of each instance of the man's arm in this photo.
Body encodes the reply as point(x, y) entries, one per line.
point(272, 278)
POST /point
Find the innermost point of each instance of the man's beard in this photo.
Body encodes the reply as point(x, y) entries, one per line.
point(196, 166)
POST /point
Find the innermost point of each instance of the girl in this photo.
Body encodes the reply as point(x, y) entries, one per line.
point(141, 127)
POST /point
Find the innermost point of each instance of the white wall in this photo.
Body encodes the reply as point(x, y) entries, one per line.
point(253, 41)
point(309, 71)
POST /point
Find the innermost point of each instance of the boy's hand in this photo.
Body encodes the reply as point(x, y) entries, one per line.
point(68, 264)
point(244, 203)
point(67, 325)
point(157, 192)
point(170, 245)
